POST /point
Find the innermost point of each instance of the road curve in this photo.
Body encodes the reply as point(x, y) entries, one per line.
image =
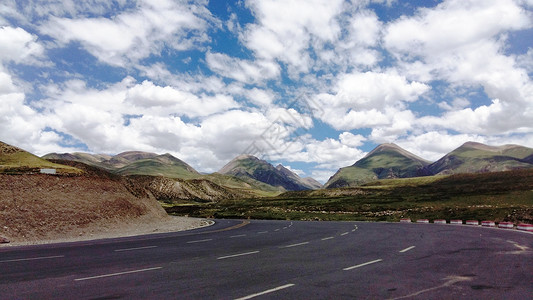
point(280, 259)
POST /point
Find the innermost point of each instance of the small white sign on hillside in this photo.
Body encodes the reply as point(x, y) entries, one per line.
point(48, 171)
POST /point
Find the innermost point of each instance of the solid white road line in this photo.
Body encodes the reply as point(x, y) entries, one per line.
point(406, 249)
point(138, 248)
point(361, 265)
point(199, 241)
point(240, 254)
point(266, 292)
point(32, 258)
point(328, 238)
point(295, 245)
point(236, 236)
point(117, 274)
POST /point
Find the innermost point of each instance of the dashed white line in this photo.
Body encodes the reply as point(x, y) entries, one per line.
point(138, 248)
point(276, 229)
point(328, 238)
point(295, 245)
point(117, 274)
point(236, 236)
point(199, 241)
point(344, 233)
point(236, 255)
point(362, 265)
point(406, 249)
point(261, 232)
point(266, 292)
point(32, 258)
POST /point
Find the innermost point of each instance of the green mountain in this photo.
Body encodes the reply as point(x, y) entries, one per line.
point(16, 160)
point(474, 157)
point(133, 163)
point(384, 162)
point(164, 165)
point(249, 167)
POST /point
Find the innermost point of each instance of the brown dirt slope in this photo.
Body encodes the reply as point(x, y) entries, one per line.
point(37, 207)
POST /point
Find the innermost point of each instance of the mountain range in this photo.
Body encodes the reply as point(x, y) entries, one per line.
point(249, 175)
point(391, 161)
point(242, 173)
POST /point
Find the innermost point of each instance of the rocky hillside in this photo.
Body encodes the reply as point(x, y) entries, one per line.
point(37, 207)
point(176, 191)
point(384, 162)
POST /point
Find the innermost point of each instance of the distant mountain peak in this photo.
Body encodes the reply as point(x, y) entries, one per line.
point(391, 147)
point(385, 161)
point(248, 166)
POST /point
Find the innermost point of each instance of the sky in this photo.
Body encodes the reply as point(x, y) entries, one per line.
point(312, 84)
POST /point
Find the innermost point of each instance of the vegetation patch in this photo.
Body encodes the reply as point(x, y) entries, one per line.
point(499, 196)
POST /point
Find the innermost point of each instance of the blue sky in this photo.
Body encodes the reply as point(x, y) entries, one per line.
point(314, 85)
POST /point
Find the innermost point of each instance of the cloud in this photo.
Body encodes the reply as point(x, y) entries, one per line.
point(19, 46)
point(452, 25)
point(369, 99)
point(284, 30)
point(133, 35)
point(169, 100)
point(242, 70)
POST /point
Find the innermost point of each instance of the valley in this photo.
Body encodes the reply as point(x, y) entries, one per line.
point(94, 192)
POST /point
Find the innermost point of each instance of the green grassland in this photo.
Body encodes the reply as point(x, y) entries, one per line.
point(498, 196)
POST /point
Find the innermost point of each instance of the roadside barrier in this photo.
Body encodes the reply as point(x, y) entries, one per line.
point(526, 227)
point(508, 225)
point(488, 223)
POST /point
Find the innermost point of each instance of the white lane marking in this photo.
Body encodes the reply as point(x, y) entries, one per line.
point(266, 292)
point(138, 248)
point(236, 255)
point(276, 229)
point(363, 264)
point(32, 258)
point(117, 274)
point(236, 236)
point(328, 238)
point(261, 232)
point(406, 249)
point(295, 245)
point(199, 241)
point(344, 233)
point(284, 227)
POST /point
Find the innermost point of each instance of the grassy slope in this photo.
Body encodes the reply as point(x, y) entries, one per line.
point(495, 196)
point(14, 160)
point(156, 168)
point(467, 159)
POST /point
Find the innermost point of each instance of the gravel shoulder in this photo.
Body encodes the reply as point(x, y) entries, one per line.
point(140, 226)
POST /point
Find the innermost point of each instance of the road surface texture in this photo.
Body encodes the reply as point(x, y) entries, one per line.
point(280, 260)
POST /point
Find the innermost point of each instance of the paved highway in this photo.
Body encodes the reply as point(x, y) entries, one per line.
point(280, 260)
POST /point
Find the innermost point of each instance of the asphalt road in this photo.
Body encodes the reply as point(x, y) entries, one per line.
point(280, 260)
